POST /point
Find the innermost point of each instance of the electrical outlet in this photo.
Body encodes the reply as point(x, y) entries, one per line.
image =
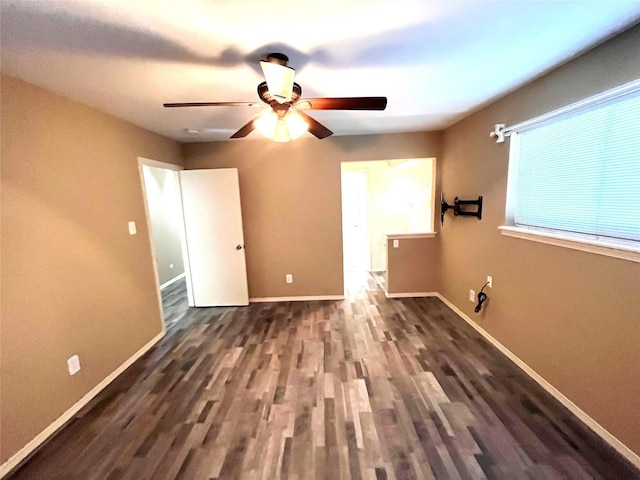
point(289, 278)
point(489, 281)
point(472, 296)
point(73, 364)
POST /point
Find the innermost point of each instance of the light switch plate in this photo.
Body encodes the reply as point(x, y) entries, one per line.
point(396, 243)
point(132, 228)
point(73, 364)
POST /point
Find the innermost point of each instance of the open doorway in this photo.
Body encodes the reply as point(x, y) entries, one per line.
point(379, 198)
point(161, 188)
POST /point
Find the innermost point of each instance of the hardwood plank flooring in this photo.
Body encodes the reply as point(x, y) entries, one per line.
point(368, 388)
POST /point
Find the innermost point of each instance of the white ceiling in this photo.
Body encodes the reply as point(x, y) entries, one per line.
point(436, 61)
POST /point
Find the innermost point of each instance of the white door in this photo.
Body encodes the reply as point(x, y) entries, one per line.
point(216, 272)
point(355, 240)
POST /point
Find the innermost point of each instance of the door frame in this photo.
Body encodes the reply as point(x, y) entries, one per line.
point(142, 161)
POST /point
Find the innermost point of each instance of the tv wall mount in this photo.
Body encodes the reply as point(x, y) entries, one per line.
point(459, 207)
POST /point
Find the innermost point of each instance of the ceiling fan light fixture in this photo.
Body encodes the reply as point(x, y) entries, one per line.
point(281, 133)
point(266, 123)
point(286, 119)
point(280, 128)
point(279, 80)
point(296, 125)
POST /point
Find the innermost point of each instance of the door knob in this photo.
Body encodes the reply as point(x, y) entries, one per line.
point(238, 247)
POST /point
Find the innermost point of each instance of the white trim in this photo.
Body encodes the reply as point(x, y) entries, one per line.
point(572, 407)
point(60, 422)
point(398, 236)
point(603, 247)
point(377, 270)
point(172, 281)
point(500, 130)
point(296, 299)
point(155, 163)
point(411, 294)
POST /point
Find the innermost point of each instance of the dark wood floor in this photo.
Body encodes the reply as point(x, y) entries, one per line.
point(367, 388)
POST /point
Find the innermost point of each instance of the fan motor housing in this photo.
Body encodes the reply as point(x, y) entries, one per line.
point(280, 58)
point(266, 97)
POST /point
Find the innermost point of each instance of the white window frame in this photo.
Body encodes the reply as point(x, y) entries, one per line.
point(618, 248)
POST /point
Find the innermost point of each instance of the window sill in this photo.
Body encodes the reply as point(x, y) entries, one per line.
point(398, 236)
point(609, 249)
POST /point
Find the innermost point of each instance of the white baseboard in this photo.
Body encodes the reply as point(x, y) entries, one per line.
point(39, 439)
point(296, 299)
point(411, 294)
point(173, 280)
point(625, 451)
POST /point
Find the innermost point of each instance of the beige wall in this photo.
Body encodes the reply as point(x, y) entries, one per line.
point(380, 217)
point(574, 317)
point(291, 205)
point(73, 280)
point(413, 267)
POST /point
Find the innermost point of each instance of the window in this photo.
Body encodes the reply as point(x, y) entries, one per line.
point(575, 173)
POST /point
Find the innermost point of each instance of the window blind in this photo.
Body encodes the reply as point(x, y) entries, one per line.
point(580, 173)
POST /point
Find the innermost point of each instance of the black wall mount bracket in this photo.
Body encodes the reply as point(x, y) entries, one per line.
point(459, 207)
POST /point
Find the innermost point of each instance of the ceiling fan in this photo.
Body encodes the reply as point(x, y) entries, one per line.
point(285, 120)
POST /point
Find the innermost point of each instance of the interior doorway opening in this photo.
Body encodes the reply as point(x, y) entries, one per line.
point(163, 206)
point(195, 227)
point(382, 197)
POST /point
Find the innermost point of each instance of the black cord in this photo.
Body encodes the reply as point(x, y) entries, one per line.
point(481, 298)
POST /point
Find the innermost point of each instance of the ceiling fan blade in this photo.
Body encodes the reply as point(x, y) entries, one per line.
point(345, 103)
point(245, 130)
point(214, 104)
point(315, 127)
